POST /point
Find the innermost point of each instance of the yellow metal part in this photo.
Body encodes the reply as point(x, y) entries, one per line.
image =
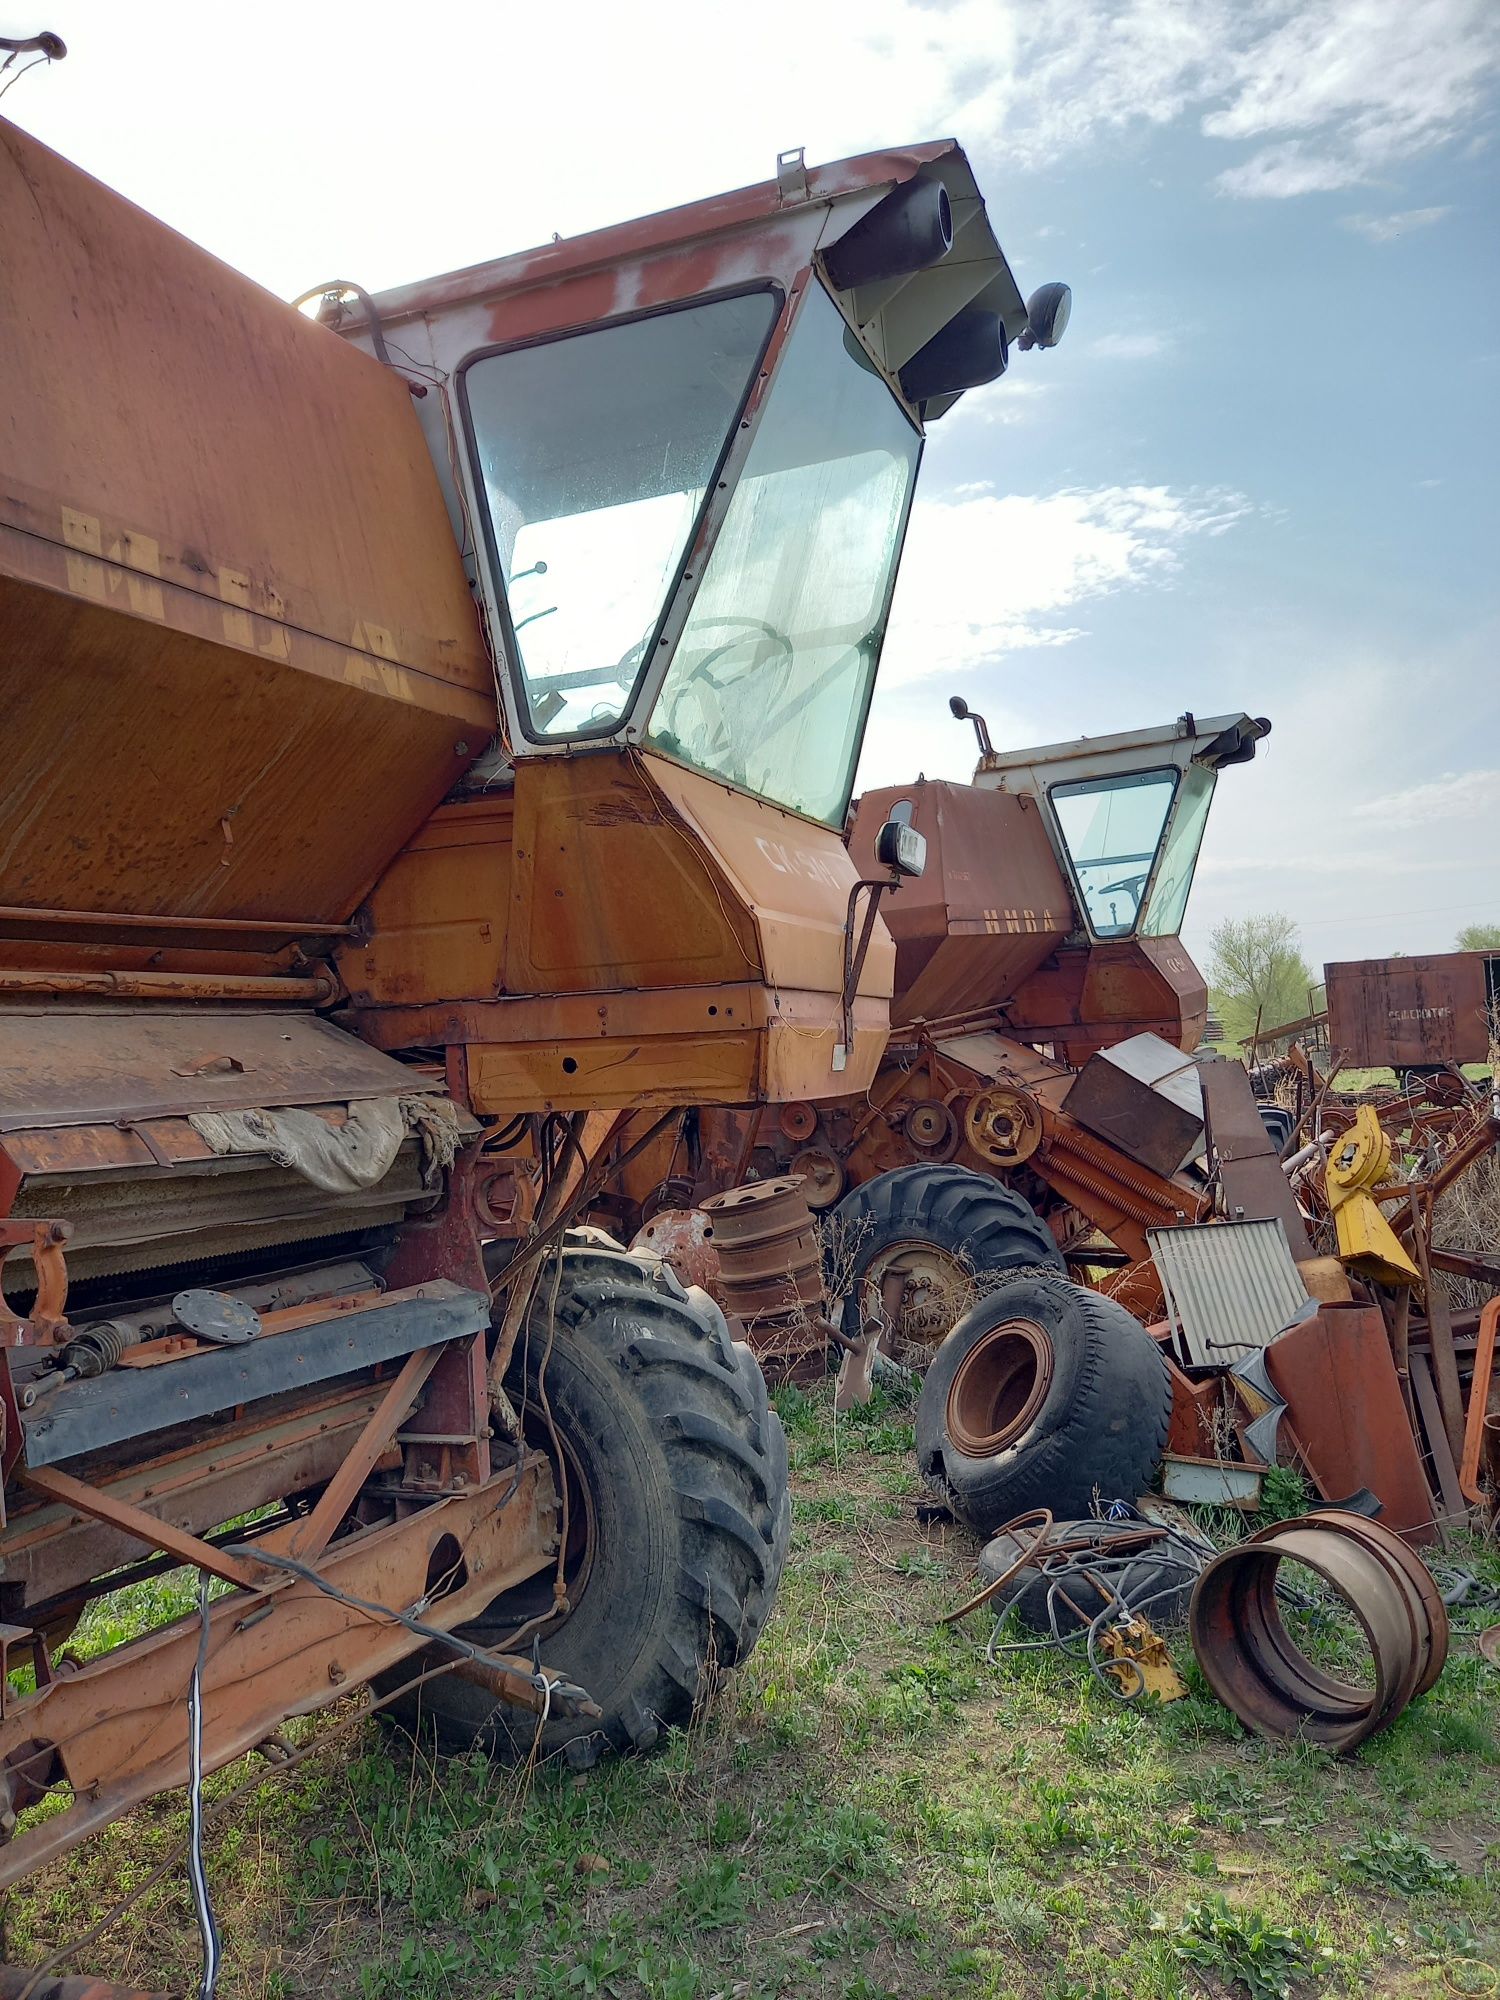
point(1358, 1164)
point(1136, 1654)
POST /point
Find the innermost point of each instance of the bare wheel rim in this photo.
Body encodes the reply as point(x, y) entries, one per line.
point(937, 1289)
point(999, 1387)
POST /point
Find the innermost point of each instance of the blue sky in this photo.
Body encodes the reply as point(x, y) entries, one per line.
point(1260, 471)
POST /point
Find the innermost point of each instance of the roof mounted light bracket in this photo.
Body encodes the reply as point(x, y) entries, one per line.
point(791, 176)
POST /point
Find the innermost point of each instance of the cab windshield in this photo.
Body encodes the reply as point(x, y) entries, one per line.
point(1166, 901)
point(771, 677)
point(596, 452)
point(1112, 828)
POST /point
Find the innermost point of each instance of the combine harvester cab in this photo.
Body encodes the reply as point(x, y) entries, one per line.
point(418, 764)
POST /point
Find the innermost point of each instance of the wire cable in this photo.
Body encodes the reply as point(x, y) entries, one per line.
point(213, 1949)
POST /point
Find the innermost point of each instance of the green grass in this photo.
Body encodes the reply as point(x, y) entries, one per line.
point(868, 1812)
point(1353, 1080)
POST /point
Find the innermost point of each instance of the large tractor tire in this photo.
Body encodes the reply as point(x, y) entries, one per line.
point(1044, 1395)
point(944, 1231)
point(679, 1514)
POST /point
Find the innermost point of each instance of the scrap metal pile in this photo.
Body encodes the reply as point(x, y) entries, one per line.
point(1308, 1307)
point(1343, 1322)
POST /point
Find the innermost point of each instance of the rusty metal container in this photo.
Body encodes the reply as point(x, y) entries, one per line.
point(239, 662)
point(1413, 1013)
point(771, 1274)
point(1145, 1097)
point(990, 906)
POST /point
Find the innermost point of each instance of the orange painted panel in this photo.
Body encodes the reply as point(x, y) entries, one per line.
point(239, 662)
point(611, 889)
point(436, 922)
point(792, 873)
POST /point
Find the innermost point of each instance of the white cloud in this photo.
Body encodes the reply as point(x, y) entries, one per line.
point(987, 573)
point(1014, 399)
point(1333, 93)
point(1130, 346)
point(1386, 228)
point(1457, 795)
point(1359, 85)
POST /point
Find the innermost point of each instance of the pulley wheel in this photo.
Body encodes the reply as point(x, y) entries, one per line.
point(797, 1121)
point(822, 1177)
point(932, 1128)
point(1003, 1126)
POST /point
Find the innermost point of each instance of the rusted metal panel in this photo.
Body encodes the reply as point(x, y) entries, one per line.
point(1412, 1012)
point(673, 231)
point(239, 650)
point(990, 906)
point(68, 1068)
point(612, 889)
point(1230, 1288)
point(791, 875)
point(436, 923)
point(1344, 1403)
point(1252, 1184)
point(1086, 997)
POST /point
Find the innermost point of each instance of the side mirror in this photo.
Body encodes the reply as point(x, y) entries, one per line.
point(901, 848)
point(961, 711)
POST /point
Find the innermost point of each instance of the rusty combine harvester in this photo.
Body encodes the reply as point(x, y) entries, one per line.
point(1044, 931)
point(419, 762)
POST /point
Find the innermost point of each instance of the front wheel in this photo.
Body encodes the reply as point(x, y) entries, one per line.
point(679, 1513)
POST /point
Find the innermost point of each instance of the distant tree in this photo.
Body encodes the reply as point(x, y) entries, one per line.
point(1479, 937)
point(1256, 968)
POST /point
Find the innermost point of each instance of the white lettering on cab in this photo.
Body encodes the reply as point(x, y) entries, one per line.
point(799, 861)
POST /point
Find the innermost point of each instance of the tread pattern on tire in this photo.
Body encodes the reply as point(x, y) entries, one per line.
point(718, 1458)
point(986, 1224)
point(1104, 1436)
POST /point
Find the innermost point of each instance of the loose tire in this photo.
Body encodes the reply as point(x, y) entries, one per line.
point(940, 1228)
point(680, 1514)
point(1043, 1395)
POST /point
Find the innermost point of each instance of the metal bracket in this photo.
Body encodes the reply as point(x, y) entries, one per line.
point(791, 176)
point(47, 1314)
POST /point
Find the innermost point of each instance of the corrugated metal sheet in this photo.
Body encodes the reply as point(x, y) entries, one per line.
point(1230, 1288)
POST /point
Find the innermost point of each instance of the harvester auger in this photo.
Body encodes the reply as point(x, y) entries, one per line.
point(419, 762)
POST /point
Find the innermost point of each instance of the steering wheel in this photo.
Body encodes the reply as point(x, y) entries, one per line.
point(713, 738)
point(1128, 885)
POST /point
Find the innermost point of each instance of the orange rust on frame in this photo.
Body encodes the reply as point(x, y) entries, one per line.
point(601, 251)
point(118, 1724)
